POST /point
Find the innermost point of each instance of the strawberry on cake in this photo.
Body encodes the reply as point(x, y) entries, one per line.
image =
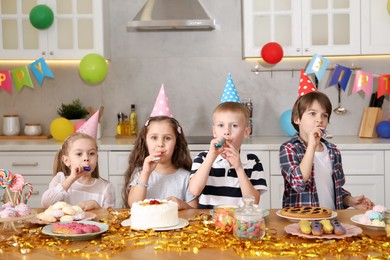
point(151, 213)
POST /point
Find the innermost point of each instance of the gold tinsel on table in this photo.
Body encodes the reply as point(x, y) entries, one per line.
point(200, 234)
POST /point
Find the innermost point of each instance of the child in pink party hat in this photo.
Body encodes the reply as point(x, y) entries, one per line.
point(76, 178)
point(311, 166)
point(160, 162)
point(224, 174)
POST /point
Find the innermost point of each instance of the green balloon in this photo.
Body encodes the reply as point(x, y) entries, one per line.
point(93, 68)
point(41, 17)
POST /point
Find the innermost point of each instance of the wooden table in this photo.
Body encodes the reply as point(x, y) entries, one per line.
point(272, 221)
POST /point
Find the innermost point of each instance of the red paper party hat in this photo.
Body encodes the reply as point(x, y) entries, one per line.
point(161, 107)
point(90, 127)
point(305, 85)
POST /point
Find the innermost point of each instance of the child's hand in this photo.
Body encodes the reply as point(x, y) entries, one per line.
point(217, 146)
point(232, 155)
point(181, 203)
point(314, 137)
point(151, 162)
point(361, 202)
point(89, 205)
point(77, 172)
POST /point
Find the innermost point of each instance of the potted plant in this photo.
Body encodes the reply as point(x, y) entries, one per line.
point(75, 110)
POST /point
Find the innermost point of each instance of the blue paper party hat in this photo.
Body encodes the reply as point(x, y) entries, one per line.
point(230, 92)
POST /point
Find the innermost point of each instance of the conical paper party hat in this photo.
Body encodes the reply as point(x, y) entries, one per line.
point(90, 127)
point(305, 85)
point(162, 107)
point(230, 92)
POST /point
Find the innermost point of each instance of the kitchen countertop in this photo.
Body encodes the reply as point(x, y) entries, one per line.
point(253, 143)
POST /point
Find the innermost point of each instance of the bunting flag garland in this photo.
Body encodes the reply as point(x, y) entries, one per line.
point(363, 82)
point(22, 78)
point(5, 80)
point(383, 85)
point(317, 65)
point(340, 76)
point(40, 70)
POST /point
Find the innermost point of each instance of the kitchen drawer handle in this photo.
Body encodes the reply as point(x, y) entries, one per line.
point(25, 164)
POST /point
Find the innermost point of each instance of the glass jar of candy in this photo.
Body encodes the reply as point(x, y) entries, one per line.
point(223, 216)
point(249, 221)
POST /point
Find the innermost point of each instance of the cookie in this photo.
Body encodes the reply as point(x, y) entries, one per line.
point(326, 226)
point(316, 228)
point(304, 227)
point(306, 212)
point(338, 228)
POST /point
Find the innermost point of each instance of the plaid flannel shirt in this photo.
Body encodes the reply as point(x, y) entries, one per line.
point(298, 192)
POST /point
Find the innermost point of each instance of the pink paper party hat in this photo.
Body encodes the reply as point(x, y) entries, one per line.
point(90, 127)
point(305, 85)
point(230, 92)
point(162, 107)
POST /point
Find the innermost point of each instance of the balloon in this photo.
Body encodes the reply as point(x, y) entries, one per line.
point(383, 129)
point(61, 128)
point(272, 52)
point(285, 123)
point(93, 68)
point(41, 17)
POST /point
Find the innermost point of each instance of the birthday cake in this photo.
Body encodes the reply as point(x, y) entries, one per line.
point(154, 214)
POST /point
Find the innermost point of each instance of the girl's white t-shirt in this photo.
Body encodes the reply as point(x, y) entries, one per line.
point(100, 190)
point(323, 178)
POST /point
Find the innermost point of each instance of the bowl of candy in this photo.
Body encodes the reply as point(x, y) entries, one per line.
point(223, 216)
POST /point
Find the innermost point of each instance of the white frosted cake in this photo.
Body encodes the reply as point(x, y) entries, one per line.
point(154, 214)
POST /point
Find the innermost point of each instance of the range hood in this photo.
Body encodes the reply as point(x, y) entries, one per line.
point(172, 15)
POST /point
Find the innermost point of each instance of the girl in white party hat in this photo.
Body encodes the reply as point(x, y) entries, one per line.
point(160, 162)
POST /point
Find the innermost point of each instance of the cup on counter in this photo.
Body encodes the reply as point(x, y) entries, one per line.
point(11, 125)
point(32, 129)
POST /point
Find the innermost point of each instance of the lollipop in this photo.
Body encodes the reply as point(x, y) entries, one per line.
point(5, 178)
point(17, 183)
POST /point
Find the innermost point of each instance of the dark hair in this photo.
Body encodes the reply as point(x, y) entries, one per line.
point(305, 101)
point(181, 157)
point(59, 165)
point(233, 107)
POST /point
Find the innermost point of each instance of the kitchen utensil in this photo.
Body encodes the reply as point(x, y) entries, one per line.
point(11, 125)
point(340, 110)
point(32, 129)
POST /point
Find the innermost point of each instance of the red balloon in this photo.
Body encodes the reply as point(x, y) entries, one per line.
point(272, 52)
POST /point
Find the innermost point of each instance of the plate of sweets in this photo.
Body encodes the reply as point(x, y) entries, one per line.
point(61, 212)
point(371, 218)
point(306, 212)
point(75, 230)
point(322, 229)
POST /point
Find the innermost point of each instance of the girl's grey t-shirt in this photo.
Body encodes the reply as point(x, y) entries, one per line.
point(162, 186)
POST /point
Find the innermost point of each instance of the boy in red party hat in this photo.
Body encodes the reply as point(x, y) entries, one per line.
point(224, 174)
point(160, 163)
point(311, 166)
point(76, 178)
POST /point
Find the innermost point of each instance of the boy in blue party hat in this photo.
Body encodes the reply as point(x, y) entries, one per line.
point(224, 174)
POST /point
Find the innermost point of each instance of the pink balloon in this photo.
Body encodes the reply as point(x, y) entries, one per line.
point(272, 52)
point(79, 124)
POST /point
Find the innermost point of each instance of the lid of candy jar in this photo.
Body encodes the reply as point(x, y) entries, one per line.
point(249, 211)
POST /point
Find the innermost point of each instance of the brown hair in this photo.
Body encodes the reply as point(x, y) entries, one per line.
point(233, 107)
point(181, 157)
point(305, 101)
point(59, 165)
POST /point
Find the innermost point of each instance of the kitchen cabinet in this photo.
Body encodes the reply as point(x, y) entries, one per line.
point(79, 28)
point(364, 172)
point(375, 21)
point(37, 168)
point(118, 163)
point(303, 28)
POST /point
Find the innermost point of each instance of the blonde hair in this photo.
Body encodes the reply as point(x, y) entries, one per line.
point(59, 165)
point(233, 107)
